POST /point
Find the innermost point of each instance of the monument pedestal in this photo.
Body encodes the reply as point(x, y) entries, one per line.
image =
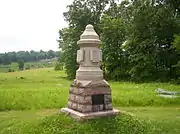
point(89, 99)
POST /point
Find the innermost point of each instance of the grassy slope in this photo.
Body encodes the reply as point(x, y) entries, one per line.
point(46, 121)
point(45, 88)
point(50, 122)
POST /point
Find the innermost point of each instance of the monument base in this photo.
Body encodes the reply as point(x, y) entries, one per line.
point(86, 116)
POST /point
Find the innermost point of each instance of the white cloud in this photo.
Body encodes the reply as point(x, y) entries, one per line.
point(31, 24)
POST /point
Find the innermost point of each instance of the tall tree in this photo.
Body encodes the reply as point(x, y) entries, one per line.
point(114, 58)
point(149, 43)
point(79, 14)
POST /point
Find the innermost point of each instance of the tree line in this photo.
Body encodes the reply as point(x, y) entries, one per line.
point(26, 56)
point(140, 38)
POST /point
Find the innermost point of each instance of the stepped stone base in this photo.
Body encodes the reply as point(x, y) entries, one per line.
point(89, 99)
point(86, 116)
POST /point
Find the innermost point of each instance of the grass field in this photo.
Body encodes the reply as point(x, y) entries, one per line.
point(27, 65)
point(30, 102)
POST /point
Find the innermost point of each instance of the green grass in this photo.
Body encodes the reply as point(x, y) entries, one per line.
point(40, 88)
point(22, 90)
point(131, 94)
point(161, 119)
point(136, 120)
point(5, 68)
point(30, 102)
point(52, 122)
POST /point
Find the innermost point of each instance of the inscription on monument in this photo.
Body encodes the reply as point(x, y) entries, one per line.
point(80, 56)
point(95, 55)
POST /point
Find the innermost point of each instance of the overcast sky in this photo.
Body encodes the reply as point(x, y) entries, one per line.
point(31, 24)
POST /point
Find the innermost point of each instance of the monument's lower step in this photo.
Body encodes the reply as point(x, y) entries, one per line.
point(85, 116)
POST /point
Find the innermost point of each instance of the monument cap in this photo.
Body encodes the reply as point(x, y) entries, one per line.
point(89, 36)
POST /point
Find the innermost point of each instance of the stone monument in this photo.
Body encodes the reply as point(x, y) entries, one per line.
point(89, 94)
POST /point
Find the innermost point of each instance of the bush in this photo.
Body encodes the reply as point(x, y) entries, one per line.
point(58, 66)
point(27, 67)
point(10, 70)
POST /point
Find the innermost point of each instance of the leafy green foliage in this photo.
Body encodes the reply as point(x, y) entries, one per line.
point(114, 59)
point(150, 38)
point(59, 66)
point(136, 37)
point(21, 64)
point(176, 42)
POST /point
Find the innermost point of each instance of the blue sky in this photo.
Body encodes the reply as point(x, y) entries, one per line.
point(31, 24)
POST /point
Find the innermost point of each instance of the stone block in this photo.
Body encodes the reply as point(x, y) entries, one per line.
point(76, 90)
point(80, 99)
point(95, 108)
point(87, 108)
point(108, 107)
point(107, 99)
point(88, 100)
point(97, 90)
point(80, 107)
point(81, 90)
point(86, 116)
point(101, 107)
point(71, 97)
point(74, 106)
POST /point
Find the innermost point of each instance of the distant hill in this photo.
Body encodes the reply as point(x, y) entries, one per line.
point(26, 56)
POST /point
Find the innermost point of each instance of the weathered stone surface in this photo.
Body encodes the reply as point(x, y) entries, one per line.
point(108, 107)
point(90, 91)
point(80, 107)
point(77, 90)
point(96, 108)
point(90, 83)
point(71, 97)
point(84, 108)
point(79, 99)
point(107, 99)
point(87, 109)
point(86, 116)
point(97, 90)
point(101, 107)
point(74, 90)
point(88, 100)
point(81, 91)
point(74, 106)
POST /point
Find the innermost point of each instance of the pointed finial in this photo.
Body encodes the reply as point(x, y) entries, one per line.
point(89, 27)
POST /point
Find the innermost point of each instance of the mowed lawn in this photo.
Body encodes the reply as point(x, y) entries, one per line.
point(30, 102)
